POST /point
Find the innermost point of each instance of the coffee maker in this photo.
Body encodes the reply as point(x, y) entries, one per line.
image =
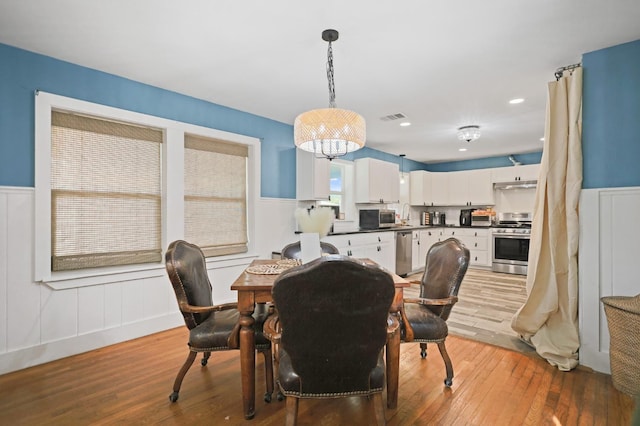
point(465, 217)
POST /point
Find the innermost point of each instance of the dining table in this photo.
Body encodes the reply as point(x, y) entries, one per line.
point(254, 288)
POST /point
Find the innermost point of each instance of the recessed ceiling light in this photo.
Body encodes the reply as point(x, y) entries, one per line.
point(542, 139)
point(405, 124)
point(516, 101)
point(462, 149)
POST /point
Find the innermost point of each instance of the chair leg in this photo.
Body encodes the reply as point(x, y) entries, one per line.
point(292, 411)
point(205, 358)
point(378, 407)
point(268, 372)
point(447, 362)
point(423, 350)
point(178, 382)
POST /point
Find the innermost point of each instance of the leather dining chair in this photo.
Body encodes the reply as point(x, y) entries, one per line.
point(293, 250)
point(424, 319)
point(211, 327)
point(331, 327)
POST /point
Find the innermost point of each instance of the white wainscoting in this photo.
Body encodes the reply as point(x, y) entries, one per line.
point(39, 324)
point(608, 264)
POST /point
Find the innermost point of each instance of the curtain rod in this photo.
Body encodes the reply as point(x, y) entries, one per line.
point(559, 71)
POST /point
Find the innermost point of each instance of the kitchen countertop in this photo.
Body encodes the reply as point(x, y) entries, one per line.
point(405, 228)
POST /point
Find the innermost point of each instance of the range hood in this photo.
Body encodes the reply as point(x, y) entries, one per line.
point(520, 184)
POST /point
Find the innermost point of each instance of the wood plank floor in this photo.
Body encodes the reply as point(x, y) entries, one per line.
point(486, 304)
point(129, 383)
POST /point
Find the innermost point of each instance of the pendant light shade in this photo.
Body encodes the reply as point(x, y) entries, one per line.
point(329, 132)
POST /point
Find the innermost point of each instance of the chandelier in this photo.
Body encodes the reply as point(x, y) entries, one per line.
point(468, 133)
point(329, 132)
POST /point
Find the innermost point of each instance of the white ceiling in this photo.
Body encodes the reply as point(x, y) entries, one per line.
point(444, 64)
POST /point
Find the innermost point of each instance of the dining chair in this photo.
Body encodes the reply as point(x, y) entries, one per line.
point(293, 250)
point(211, 327)
point(330, 329)
point(424, 319)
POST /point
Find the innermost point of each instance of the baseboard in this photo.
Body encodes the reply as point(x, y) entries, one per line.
point(35, 355)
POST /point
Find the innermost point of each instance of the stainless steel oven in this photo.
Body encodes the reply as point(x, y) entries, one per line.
point(511, 238)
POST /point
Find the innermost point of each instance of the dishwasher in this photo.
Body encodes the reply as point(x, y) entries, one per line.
point(403, 252)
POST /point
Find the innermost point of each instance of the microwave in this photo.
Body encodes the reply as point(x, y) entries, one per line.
point(481, 220)
point(376, 219)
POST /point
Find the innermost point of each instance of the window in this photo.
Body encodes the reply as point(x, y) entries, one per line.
point(214, 194)
point(105, 193)
point(113, 188)
point(337, 185)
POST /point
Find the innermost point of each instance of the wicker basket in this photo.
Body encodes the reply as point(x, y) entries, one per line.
point(623, 319)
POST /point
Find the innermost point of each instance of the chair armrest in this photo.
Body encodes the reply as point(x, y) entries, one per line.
point(185, 307)
point(451, 300)
point(393, 326)
point(408, 330)
point(271, 329)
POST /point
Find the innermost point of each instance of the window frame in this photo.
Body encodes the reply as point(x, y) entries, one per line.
point(172, 204)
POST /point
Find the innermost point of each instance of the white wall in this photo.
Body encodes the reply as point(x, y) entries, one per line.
point(39, 324)
point(608, 264)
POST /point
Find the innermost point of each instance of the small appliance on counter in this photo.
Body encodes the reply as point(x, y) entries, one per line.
point(483, 218)
point(376, 219)
point(434, 218)
point(425, 218)
point(465, 216)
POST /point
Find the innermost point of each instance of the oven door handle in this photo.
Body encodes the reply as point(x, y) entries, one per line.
point(513, 236)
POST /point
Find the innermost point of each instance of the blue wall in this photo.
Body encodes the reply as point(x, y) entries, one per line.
point(22, 72)
point(611, 117)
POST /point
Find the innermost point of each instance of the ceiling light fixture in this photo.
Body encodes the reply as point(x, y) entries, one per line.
point(329, 132)
point(469, 133)
point(405, 124)
point(516, 101)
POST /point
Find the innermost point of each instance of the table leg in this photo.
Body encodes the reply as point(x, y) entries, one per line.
point(247, 358)
point(393, 369)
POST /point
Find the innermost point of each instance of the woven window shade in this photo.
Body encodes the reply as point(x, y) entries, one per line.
point(105, 193)
point(215, 188)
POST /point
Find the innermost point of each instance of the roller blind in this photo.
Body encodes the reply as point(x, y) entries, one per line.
point(105, 192)
point(215, 188)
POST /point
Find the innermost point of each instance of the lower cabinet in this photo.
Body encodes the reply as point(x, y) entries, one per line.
point(477, 240)
point(377, 246)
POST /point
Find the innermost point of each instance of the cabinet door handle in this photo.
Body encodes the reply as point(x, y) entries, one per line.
point(476, 245)
point(379, 240)
point(475, 234)
point(418, 242)
point(476, 259)
point(379, 248)
point(348, 242)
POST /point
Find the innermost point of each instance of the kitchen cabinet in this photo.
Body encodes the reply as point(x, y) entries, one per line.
point(377, 246)
point(515, 173)
point(440, 189)
point(471, 188)
point(420, 193)
point(477, 240)
point(312, 176)
point(428, 237)
point(416, 260)
point(377, 181)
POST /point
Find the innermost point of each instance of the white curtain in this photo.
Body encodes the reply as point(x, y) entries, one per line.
point(549, 318)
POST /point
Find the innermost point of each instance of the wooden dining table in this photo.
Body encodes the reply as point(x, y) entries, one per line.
point(256, 288)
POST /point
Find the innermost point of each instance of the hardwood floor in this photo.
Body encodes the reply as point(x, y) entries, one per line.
point(129, 383)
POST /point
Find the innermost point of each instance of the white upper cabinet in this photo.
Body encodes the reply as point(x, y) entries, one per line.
point(312, 176)
point(377, 181)
point(440, 189)
point(420, 188)
point(515, 173)
point(471, 188)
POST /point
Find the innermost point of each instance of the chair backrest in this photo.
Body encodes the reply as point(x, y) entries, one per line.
point(187, 271)
point(293, 250)
point(333, 313)
point(447, 263)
